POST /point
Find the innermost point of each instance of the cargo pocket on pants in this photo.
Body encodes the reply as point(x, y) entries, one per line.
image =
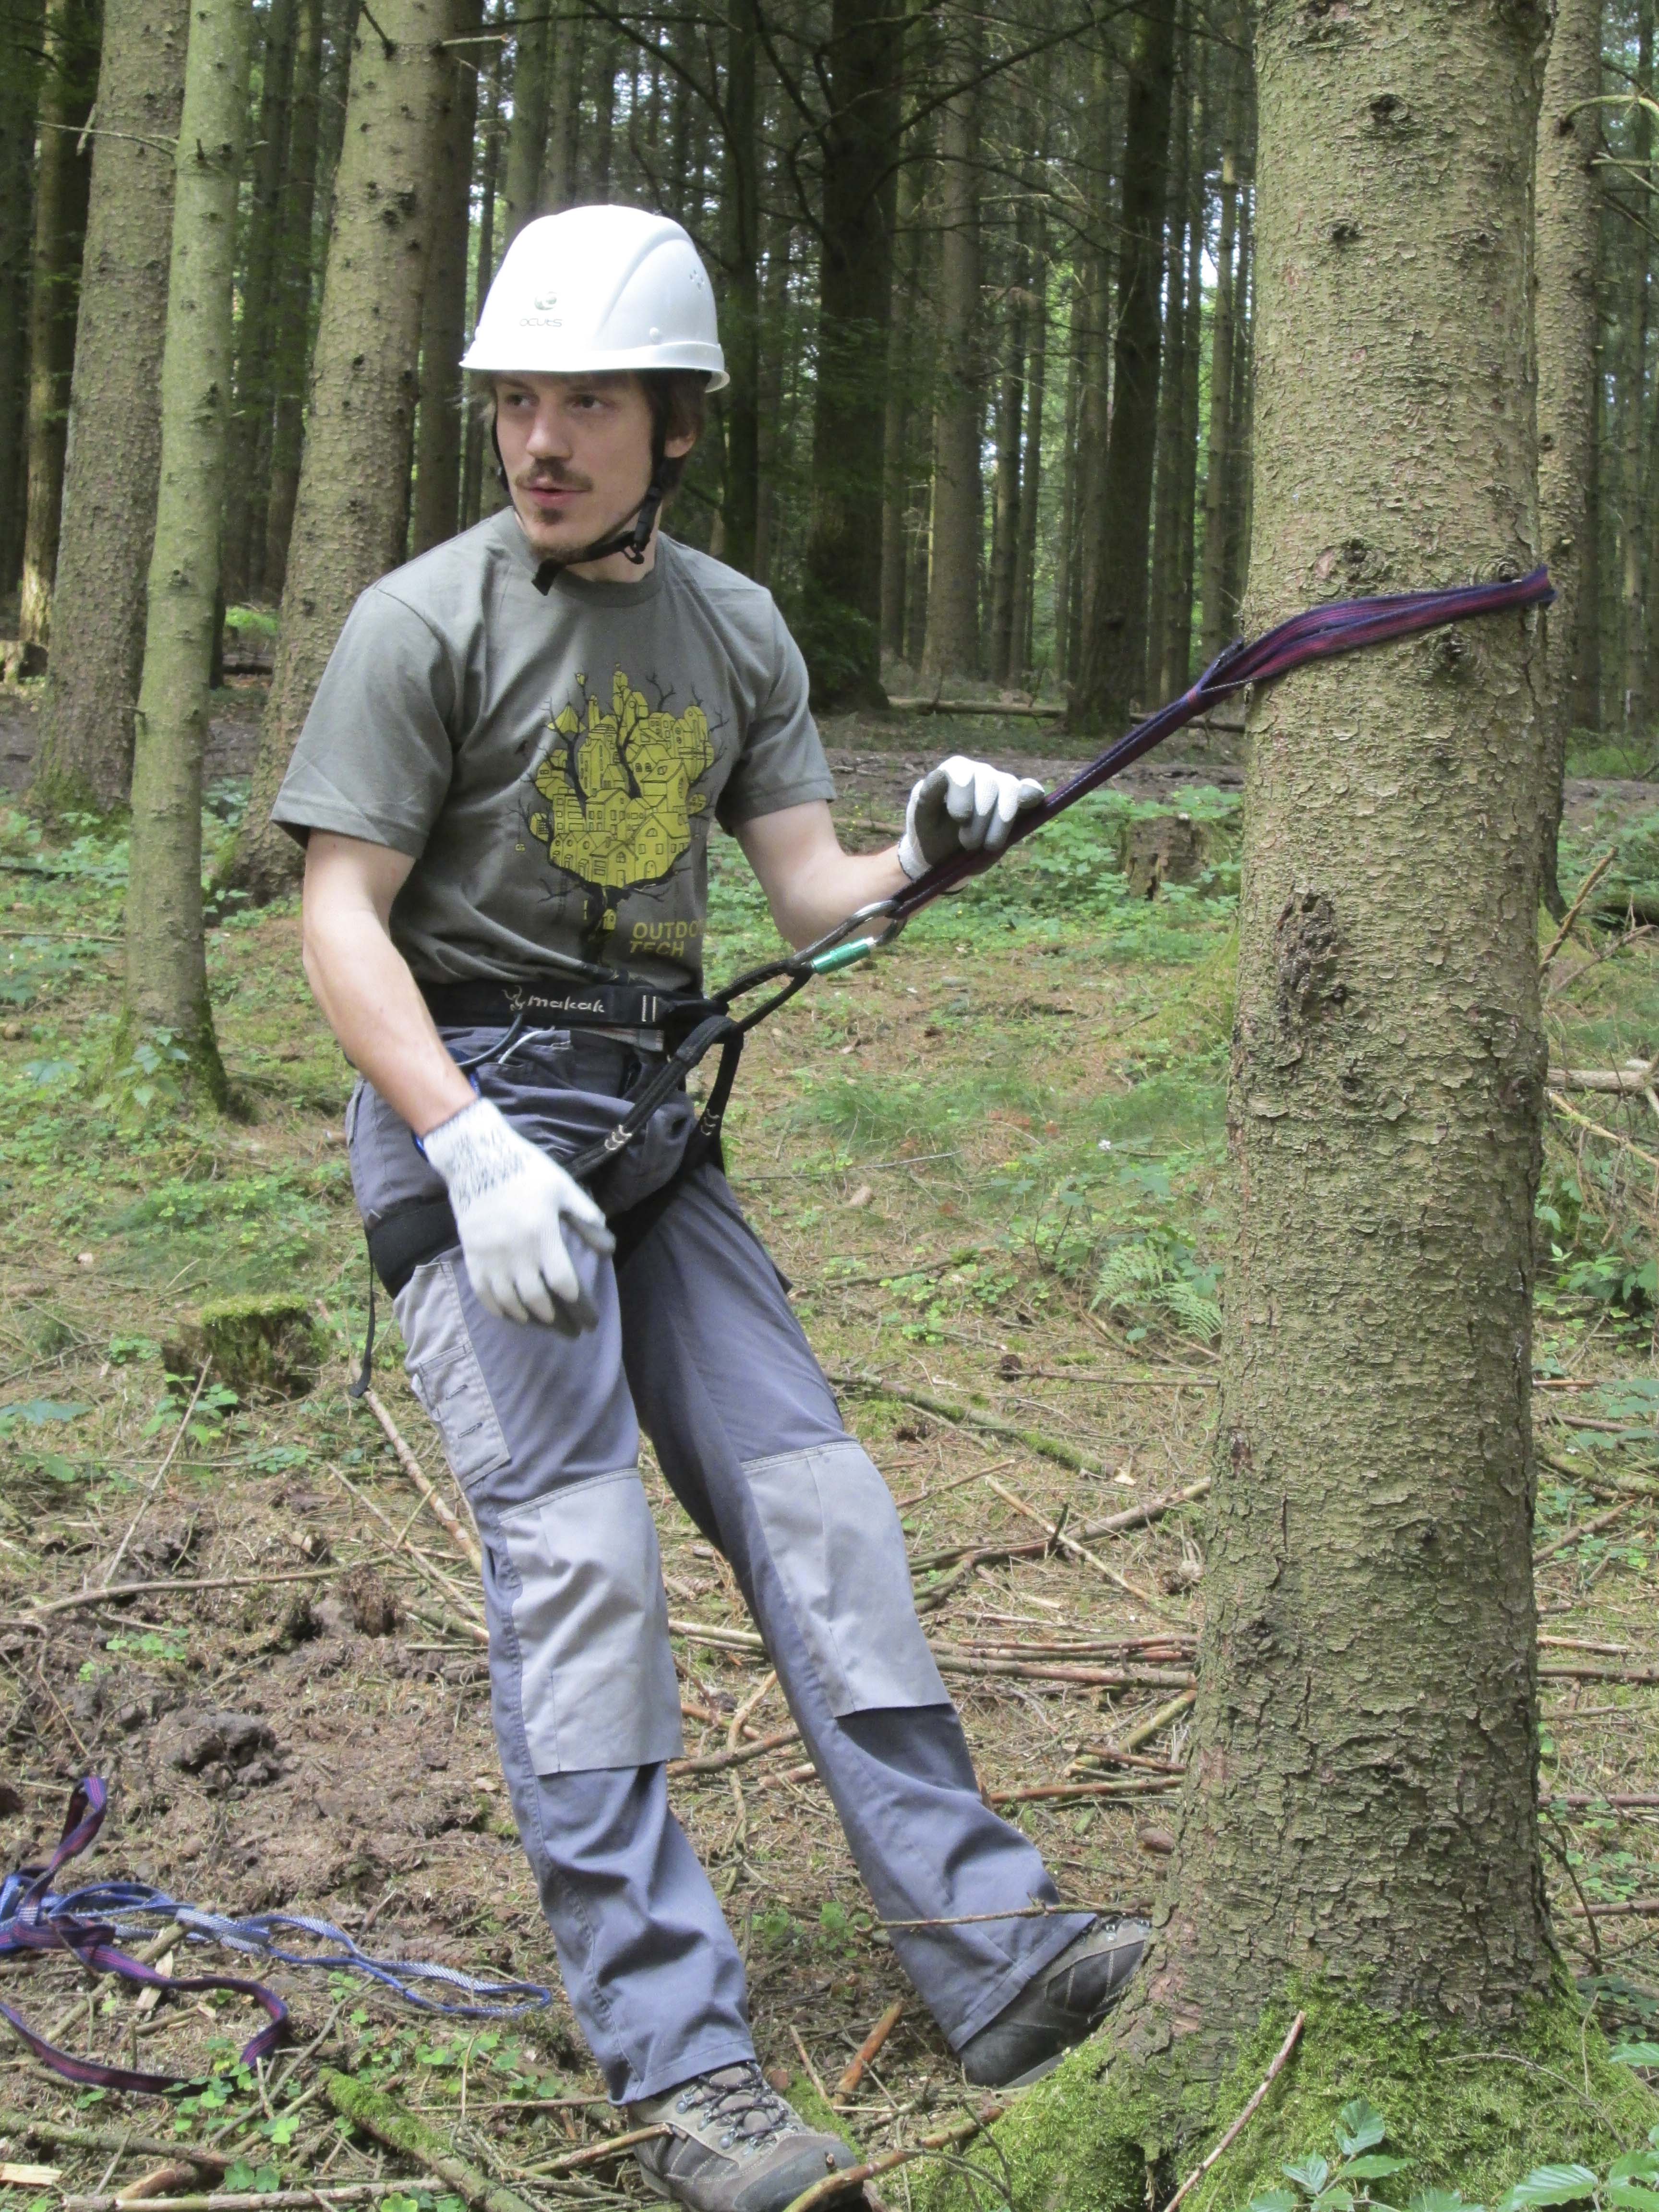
point(444, 1372)
point(597, 1677)
point(835, 1541)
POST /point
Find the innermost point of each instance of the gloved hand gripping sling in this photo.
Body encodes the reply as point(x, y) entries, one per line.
point(700, 1025)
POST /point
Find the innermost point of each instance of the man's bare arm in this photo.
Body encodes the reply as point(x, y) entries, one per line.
point(810, 883)
point(362, 983)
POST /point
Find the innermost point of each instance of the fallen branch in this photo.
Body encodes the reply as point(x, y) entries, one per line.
point(380, 2115)
point(148, 1499)
point(1585, 1529)
point(964, 1417)
point(108, 2139)
point(1280, 2058)
point(1078, 1551)
point(717, 1761)
point(463, 1539)
point(835, 2185)
point(1578, 1800)
point(853, 2072)
point(1155, 1724)
point(595, 2152)
point(1128, 1788)
point(429, 1570)
point(1133, 1516)
point(1576, 907)
point(49, 1605)
point(1645, 1907)
point(1088, 1678)
point(723, 1639)
point(228, 2200)
point(1607, 1136)
point(1634, 1675)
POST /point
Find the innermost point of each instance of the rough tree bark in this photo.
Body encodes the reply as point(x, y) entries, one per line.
point(559, 186)
point(295, 272)
point(952, 647)
point(63, 180)
point(526, 139)
point(439, 434)
point(85, 760)
point(1005, 485)
point(1359, 1833)
point(1111, 670)
point(1633, 492)
point(1167, 515)
point(1217, 616)
point(248, 483)
point(167, 964)
point(19, 85)
point(349, 516)
point(839, 623)
point(1569, 227)
point(740, 313)
point(478, 478)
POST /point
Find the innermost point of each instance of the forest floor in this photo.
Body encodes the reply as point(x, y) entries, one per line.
point(992, 1164)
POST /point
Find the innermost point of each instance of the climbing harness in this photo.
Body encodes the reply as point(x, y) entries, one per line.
point(90, 1922)
point(692, 1026)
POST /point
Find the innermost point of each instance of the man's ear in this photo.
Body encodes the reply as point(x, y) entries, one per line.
point(678, 448)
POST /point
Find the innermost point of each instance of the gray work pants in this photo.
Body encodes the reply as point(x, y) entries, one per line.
point(697, 1342)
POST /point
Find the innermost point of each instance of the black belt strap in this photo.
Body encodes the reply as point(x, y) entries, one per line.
point(558, 1002)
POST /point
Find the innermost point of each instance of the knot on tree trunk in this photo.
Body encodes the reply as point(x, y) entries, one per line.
point(1307, 959)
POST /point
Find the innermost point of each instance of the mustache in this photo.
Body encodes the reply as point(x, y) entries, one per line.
point(550, 477)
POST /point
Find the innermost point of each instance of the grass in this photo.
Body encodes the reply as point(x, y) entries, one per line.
point(991, 1162)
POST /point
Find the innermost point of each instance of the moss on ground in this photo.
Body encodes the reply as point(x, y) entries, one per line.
point(254, 1342)
point(1466, 2118)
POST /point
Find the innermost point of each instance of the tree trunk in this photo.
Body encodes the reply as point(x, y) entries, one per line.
point(291, 336)
point(839, 628)
point(443, 309)
point(20, 87)
point(85, 760)
point(247, 487)
point(527, 139)
point(1071, 462)
point(1005, 491)
point(1358, 1836)
point(1587, 671)
point(952, 648)
point(606, 65)
point(1030, 481)
point(1633, 688)
point(478, 481)
point(1177, 656)
point(1218, 617)
point(1569, 231)
point(349, 518)
point(564, 115)
point(1240, 475)
point(740, 312)
point(1112, 670)
point(166, 968)
point(63, 180)
point(1172, 381)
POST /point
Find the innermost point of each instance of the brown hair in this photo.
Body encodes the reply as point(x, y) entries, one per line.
point(677, 400)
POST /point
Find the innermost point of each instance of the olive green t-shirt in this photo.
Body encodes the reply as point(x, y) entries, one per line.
point(551, 764)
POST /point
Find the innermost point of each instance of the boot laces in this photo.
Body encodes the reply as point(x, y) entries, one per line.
point(755, 2116)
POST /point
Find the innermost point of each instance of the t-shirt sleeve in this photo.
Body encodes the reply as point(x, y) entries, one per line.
point(375, 756)
point(782, 762)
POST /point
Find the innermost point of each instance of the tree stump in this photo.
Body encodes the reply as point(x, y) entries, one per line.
point(255, 1343)
point(1162, 848)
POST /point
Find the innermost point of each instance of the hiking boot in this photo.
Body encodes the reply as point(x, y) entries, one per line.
point(734, 2144)
point(1064, 2003)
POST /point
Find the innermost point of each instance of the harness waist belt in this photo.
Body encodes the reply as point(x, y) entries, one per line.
point(560, 1002)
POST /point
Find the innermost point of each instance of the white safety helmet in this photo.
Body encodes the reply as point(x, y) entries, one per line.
point(598, 288)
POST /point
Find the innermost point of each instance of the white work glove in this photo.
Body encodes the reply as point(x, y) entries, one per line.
point(962, 805)
point(512, 1204)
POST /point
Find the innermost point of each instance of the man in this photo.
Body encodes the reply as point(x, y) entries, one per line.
point(506, 784)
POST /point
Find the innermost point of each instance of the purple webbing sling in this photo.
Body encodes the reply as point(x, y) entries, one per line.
point(1317, 634)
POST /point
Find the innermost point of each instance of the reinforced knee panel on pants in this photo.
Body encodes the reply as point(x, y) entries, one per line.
point(584, 1585)
point(837, 1545)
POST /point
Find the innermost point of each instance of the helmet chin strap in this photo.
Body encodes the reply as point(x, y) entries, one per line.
point(632, 537)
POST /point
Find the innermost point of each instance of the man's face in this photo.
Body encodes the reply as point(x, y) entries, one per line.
point(577, 451)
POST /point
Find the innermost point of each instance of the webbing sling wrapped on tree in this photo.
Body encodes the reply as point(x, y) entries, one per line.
point(697, 1026)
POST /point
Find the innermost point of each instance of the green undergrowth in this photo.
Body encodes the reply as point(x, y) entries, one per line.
point(1105, 2135)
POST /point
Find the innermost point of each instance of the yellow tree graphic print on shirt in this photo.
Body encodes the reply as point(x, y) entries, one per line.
point(620, 802)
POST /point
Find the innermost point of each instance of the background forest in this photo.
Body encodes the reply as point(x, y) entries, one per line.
point(985, 280)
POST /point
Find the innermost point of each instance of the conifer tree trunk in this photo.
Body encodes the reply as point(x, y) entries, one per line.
point(62, 181)
point(559, 186)
point(1359, 1833)
point(1006, 491)
point(20, 84)
point(1587, 674)
point(1111, 671)
point(527, 142)
point(167, 966)
point(248, 484)
point(1218, 611)
point(476, 479)
point(296, 271)
point(740, 313)
point(840, 626)
point(1178, 651)
point(1634, 490)
point(1171, 388)
point(1071, 464)
point(1569, 226)
point(85, 760)
point(1030, 484)
point(351, 513)
point(443, 310)
point(951, 647)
